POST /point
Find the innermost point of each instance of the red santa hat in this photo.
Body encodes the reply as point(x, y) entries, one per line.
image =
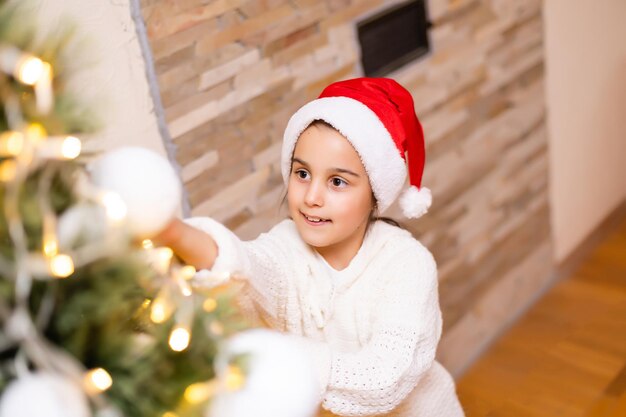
point(377, 116)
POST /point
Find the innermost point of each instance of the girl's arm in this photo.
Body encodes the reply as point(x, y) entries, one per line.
point(192, 245)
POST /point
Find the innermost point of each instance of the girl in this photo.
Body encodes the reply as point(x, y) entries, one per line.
point(361, 294)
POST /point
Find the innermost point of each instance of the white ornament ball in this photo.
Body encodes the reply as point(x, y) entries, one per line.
point(43, 395)
point(147, 184)
point(280, 381)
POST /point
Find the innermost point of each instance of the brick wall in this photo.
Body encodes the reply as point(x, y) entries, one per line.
point(231, 73)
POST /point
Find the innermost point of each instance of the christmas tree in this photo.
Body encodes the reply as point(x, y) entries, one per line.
point(95, 319)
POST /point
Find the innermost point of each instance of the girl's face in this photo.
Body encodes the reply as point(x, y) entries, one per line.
point(329, 195)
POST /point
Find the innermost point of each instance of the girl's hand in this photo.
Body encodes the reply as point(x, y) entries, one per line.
point(192, 245)
point(170, 234)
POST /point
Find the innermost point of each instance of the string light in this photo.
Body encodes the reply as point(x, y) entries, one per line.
point(61, 266)
point(8, 170)
point(36, 132)
point(30, 69)
point(187, 272)
point(147, 244)
point(161, 258)
point(199, 392)
point(97, 380)
point(55, 147)
point(11, 143)
point(161, 310)
point(71, 147)
point(185, 288)
point(179, 339)
point(50, 246)
point(235, 379)
point(209, 305)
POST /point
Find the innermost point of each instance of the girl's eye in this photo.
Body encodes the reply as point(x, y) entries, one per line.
point(302, 174)
point(338, 182)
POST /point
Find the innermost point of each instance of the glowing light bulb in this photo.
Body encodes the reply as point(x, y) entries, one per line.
point(30, 70)
point(161, 310)
point(8, 170)
point(36, 132)
point(61, 266)
point(11, 143)
point(161, 258)
point(147, 244)
point(71, 147)
point(98, 380)
point(209, 305)
point(50, 246)
point(114, 206)
point(179, 339)
point(199, 392)
point(235, 379)
point(187, 272)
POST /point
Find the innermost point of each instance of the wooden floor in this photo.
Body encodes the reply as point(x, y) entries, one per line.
point(567, 355)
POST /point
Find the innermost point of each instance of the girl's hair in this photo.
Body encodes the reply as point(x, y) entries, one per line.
point(373, 215)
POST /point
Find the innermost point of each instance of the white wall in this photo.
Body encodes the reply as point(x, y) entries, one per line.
point(585, 46)
point(112, 76)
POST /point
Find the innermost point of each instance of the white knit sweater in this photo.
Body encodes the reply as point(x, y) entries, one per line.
point(372, 330)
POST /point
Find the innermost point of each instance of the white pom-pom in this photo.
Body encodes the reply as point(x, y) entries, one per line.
point(280, 381)
point(147, 184)
point(43, 394)
point(414, 202)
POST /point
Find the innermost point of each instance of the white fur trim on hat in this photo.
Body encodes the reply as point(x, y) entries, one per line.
point(415, 203)
point(367, 134)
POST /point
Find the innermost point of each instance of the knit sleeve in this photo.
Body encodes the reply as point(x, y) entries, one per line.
point(258, 263)
point(407, 328)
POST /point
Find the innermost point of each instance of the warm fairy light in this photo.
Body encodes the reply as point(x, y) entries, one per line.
point(147, 244)
point(235, 379)
point(162, 259)
point(216, 328)
point(61, 266)
point(187, 272)
point(209, 305)
point(11, 143)
point(179, 339)
point(50, 246)
point(36, 132)
point(185, 288)
point(161, 310)
point(169, 414)
point(98, 380)
point(71, 147)
point(114, 205)
point(199, 392)
point(30, 70)
point(146, 303)
point(8, 170)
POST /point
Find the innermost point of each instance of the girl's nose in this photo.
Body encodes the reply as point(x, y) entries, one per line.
point(314, 194)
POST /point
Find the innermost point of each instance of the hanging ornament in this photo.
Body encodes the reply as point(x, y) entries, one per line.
point(43, 394)
point(147, 184)
point(279, 380)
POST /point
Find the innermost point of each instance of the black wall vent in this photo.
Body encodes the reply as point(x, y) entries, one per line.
point(393, 37)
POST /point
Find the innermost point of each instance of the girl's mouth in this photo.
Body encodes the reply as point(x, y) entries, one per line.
point(315, 221)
